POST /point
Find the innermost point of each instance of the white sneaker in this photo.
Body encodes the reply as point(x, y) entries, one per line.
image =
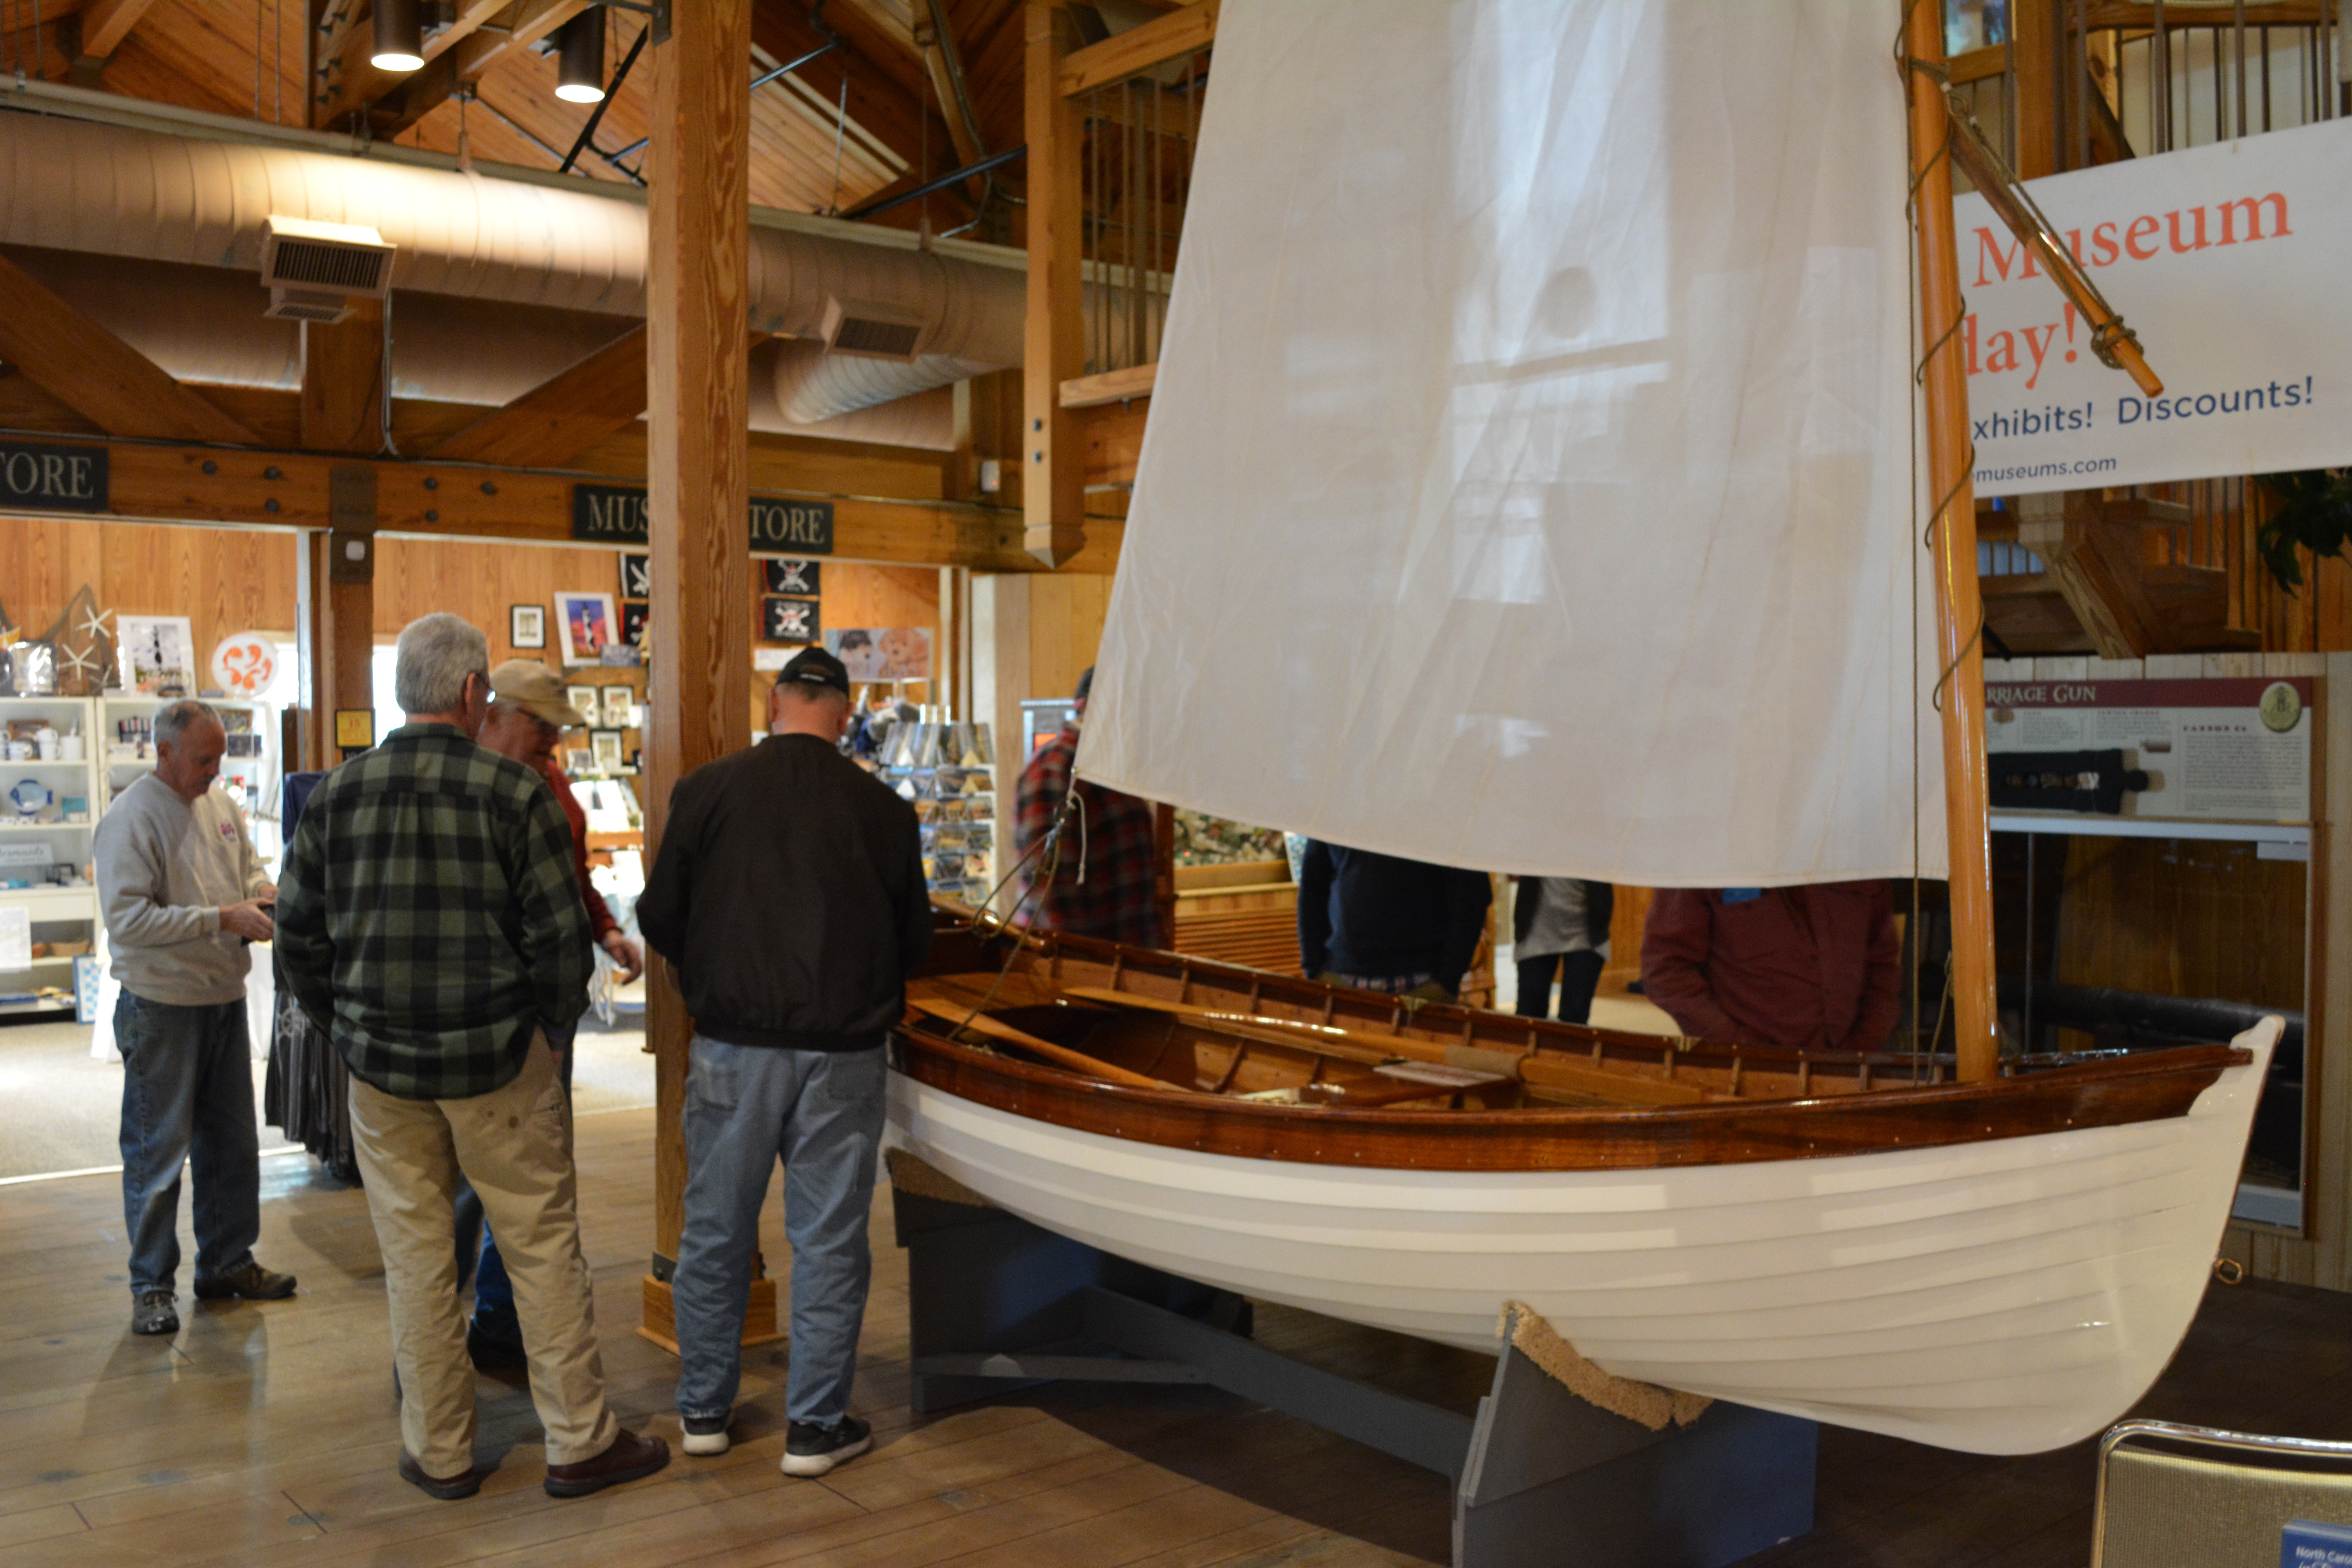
point(705, 1437)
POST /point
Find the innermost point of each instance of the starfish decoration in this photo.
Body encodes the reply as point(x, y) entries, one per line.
point(93, 620)
point(77, 661)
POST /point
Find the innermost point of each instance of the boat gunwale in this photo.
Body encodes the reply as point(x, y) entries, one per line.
point(2160, 1086)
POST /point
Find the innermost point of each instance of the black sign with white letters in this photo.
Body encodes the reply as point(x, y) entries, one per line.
point(615, 515)
point(38, 477)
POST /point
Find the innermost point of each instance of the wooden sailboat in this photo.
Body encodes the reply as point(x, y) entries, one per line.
point(2000, 1267)
point(1986, 1256)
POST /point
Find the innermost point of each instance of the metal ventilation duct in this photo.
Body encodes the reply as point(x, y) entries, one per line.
point(112, 191)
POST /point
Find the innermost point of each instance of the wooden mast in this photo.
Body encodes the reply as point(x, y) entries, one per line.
point(1959, 611)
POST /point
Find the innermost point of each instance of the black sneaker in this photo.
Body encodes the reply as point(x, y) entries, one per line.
point(153, 1313)
point(812, 1449)
point(706, 1436)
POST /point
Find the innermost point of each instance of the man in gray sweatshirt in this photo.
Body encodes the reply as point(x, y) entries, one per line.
point(184, 893)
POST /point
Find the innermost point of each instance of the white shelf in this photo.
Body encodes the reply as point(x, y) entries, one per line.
point(53, 903)
point(68, 842)
point(2096, 826)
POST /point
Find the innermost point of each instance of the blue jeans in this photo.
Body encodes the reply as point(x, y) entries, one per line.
point(494, 1305)
point(187, 1097)
point(820, 1112)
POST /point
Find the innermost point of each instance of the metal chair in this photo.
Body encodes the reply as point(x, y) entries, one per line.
point(2191, 1497)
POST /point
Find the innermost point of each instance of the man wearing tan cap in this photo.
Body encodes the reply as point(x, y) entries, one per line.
point(528, 716)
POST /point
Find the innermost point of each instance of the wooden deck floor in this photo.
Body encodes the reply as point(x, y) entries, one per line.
point(265, 1434)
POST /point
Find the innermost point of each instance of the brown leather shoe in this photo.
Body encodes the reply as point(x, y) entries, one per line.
point(629, 1458)
point(448, 1488)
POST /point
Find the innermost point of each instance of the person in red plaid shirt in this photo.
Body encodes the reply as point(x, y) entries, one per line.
point(1111, 892)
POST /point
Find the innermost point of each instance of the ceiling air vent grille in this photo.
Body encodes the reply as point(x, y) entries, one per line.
point(329, 265)
point(885, 339)
point(872, 331)
point(315, 271)
point(307, 305)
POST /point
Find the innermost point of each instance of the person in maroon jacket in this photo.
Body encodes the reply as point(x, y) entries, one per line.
point(1808, 968)
point(529, 714)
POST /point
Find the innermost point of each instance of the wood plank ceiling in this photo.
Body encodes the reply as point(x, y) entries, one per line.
point(249, 59)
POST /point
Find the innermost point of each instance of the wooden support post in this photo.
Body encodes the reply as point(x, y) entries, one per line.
point(697, 407)
point(336, 615)
point(1053, 457)
point(344, 380)
point(2034, 31)
point(1959, 611)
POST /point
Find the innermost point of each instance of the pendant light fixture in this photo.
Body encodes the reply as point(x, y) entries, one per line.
point(580, 57)
point(399, 37)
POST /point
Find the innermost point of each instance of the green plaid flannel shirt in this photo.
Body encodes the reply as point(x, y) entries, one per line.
point(430, 916)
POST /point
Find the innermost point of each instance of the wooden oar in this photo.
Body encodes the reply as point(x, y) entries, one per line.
point(1060, 1056)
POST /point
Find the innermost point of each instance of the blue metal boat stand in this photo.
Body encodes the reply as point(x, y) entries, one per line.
point(1540, 1477)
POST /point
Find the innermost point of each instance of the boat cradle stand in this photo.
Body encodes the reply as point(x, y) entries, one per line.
point(1540, 1475)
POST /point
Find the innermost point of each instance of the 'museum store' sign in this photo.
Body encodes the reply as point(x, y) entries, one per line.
point(615, 515)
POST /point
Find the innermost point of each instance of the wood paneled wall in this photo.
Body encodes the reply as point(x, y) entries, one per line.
point(230, 580)
point(1065, 628)
point(223, 580)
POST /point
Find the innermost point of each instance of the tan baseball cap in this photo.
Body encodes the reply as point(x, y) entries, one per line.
point(537, 691)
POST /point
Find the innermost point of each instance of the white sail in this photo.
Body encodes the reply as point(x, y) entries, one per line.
point(1528, 479)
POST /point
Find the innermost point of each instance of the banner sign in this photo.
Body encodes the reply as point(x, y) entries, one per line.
point(2228, 262)
point(38, 477)
point(615, 515)
point(2214, 750)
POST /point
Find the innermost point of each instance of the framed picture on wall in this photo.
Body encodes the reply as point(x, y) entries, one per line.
point(527, 626)
point(619, 707)
point(588, 626)
point(788, 620)
point(636, 577)
point(633, 625)
point(606, 747)
point(578, 761)
point(585, 698)
point(793, 577)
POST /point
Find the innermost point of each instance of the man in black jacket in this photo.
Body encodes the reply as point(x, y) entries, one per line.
point(788, 893)
point(1379, 922)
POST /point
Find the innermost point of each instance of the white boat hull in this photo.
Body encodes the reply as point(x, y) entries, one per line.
point(2004, 1297)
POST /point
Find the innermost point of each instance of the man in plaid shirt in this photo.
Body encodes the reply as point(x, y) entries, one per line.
point(430, 922)
point(1105, 883)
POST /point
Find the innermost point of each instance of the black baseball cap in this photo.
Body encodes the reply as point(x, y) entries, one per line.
point(815, 666)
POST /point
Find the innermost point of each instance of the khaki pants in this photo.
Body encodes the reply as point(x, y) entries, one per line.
point(515, 1146)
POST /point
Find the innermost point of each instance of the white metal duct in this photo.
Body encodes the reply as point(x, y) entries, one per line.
point(108, 190)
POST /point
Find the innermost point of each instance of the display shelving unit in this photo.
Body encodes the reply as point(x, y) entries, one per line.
point(67, 914)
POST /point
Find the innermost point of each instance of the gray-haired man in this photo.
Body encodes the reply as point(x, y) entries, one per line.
point(430, 922)
point(183, 892)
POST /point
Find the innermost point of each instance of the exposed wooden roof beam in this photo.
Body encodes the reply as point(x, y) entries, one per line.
point(562, 416)
point(99, 375)
point(886, 86)
point(484, 31)
point(106, 23)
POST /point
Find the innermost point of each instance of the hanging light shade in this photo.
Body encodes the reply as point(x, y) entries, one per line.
point(399, 37)
point(580, 59)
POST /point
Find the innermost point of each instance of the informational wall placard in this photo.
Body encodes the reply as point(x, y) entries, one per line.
point(615, 515)
point(2228, 260)
point(2213, 750)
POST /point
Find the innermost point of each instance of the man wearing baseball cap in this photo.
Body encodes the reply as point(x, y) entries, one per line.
point(788, 892)
point(529, 713)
